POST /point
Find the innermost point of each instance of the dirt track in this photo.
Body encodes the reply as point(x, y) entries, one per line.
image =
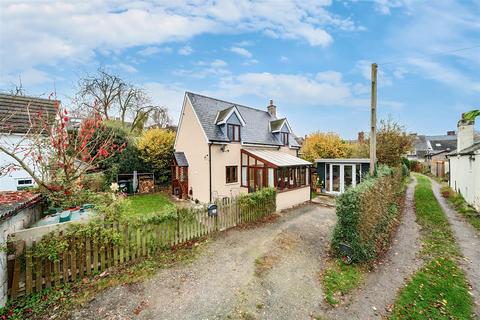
point(267, 272)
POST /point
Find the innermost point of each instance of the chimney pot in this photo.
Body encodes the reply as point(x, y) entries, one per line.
point(272, 109)
point(465, 136)
point(361, 137)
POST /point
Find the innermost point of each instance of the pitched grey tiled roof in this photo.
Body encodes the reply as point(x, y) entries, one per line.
point(443, 144)
point(16, 112)
point(181, 159)
point(466, 151)
point(256, 129)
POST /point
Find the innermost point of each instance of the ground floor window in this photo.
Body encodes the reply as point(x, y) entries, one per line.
point(231, 174)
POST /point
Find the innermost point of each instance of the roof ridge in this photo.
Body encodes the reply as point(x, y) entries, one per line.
point(26, 97)
point(233, 103)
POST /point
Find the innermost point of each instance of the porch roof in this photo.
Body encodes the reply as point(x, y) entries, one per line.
point(181, 159)
point(278, 158)
point(343, 160)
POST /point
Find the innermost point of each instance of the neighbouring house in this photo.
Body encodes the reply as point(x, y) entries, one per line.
point(336, 175)
point(16, 118)
point(465, 164)
point(223, 149)
point(425, 146)
point(18, 210)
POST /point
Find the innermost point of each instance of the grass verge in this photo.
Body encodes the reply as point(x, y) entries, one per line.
point(461, 206)
point(59, 303)
point(339, 279)
point(439, 289)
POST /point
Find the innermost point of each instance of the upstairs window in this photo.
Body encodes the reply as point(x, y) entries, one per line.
point(233, 132)
point(285, 138)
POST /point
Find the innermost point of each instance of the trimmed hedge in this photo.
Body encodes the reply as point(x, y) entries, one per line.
point(367, 215)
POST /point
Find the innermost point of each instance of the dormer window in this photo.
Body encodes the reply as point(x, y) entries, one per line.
point(285, 138)
point(233, 132)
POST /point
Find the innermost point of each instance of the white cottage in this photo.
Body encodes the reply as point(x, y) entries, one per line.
point(16, 115)
point(464, 164)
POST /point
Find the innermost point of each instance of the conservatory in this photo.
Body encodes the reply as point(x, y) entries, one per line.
point(271, 168)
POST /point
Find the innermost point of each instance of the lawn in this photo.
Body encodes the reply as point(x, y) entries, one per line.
point(146, 204)
point(438, 290)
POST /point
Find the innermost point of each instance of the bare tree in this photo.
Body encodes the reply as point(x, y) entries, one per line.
point(103, 88)
point(160, 117)
point(116, 99)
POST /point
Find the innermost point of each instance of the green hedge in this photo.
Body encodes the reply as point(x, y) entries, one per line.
point(367, 215)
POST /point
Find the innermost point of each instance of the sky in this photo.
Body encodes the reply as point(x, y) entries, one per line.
point(313, 58)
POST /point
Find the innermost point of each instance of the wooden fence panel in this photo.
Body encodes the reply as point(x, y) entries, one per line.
point(86, 257)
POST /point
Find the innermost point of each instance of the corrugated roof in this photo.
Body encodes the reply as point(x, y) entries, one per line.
point(181, 159)
point(257, 122)
point(278, 158)
point(17, 112)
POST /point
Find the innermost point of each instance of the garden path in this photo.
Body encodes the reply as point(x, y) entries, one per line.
point(469, 241)
point(270, 271)
point(377, 294)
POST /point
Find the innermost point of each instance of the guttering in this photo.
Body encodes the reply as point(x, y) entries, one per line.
point(210, 170)
point(246, 144)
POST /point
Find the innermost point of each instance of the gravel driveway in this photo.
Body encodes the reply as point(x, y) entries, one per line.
point(267, 272)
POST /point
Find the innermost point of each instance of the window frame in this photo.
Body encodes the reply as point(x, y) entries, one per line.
point(285, 137)
point(229, 171)
point(236, 135)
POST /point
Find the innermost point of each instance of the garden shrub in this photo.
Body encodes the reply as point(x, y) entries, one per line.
point(255, 200)
point(367, 215)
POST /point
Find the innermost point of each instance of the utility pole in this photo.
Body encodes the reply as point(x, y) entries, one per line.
point(373, 121)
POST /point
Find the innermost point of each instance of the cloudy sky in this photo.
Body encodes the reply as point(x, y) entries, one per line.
point(312, 57)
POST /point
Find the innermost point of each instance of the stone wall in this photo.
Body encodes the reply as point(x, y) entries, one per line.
point(19, 220)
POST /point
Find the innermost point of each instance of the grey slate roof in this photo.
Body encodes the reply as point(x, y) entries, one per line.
point(181, 159)
point(470, 150)
point(257, 122)
point(428, 145)
point(16, 112)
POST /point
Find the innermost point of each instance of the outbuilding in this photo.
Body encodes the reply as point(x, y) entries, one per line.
point(337, 175)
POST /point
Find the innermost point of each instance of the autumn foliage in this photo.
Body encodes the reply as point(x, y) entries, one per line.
point(325, 145)
point(156, 149)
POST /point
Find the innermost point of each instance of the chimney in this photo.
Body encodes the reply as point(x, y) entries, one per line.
point(361, 137)
point(272, 109)
point(450, 133)
point(465, 136)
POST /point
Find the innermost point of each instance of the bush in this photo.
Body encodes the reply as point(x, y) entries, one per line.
point(94, 182)
point(367, 215)
point(255, 200)
point(156, 149)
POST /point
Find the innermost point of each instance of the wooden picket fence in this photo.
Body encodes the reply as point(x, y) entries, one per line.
point(28, 273)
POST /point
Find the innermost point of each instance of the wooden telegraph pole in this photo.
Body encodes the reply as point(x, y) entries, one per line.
point(373, 121)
